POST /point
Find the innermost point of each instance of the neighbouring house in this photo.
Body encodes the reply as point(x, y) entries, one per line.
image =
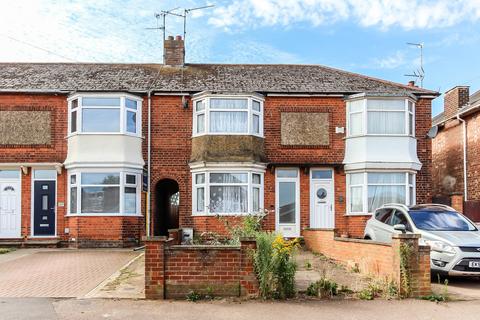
point(318, 147)
point(456, 164)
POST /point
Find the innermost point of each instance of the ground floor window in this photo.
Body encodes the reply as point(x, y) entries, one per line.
point(104, 193)
point(227, 192)
point(368, 191)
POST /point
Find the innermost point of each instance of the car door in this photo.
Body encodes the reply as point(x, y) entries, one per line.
point(382, 228)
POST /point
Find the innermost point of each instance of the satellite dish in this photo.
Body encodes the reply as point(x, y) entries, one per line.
point(432, 133)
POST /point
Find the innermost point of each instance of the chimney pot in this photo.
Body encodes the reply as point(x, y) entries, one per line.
point(411, 83)
point(170, 37)
point(178, 38)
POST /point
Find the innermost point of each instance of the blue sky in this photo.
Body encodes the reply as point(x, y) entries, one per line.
point(364, 36)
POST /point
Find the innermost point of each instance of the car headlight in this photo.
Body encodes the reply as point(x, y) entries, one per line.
point(440, 246)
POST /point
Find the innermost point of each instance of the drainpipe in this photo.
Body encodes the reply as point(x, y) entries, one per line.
point(149, 146)
point(464, 129)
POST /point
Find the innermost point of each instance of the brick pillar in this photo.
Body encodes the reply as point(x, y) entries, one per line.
point(457, 202)
point(175, 235)
point(418, 265)
point(155, 267)
point(248, 278)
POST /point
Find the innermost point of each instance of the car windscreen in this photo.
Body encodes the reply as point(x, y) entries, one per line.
point(431, 220)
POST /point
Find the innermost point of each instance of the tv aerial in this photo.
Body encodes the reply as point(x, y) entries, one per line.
point(172, 12)
point(420, 72)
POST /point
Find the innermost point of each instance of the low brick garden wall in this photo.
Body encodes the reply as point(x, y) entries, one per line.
point(173, 271)
point(374, 258)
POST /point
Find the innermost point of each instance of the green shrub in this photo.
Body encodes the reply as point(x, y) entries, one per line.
point(323, 288)
point(274, 265)
point(193, 296)
point(249, 227)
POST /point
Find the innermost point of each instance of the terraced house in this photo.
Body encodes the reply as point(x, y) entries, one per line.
point(96, 154)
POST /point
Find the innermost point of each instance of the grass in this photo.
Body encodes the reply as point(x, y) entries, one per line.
point(6, 250)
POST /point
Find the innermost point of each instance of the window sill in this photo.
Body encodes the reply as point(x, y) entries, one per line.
point(213, 215)
point(103, 215)
point(227, 134)
point(362, 214)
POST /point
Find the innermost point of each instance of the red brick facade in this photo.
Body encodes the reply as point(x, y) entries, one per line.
point(170, 155)
point(171, 147)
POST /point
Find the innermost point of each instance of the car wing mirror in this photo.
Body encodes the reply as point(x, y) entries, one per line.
point(400, 227)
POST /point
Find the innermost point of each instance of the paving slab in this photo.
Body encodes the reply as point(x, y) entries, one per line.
point(58, 272)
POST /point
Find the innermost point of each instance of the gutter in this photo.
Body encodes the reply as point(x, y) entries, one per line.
point(464, 133)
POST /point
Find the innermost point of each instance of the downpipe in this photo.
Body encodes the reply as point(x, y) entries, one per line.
point(464, 131)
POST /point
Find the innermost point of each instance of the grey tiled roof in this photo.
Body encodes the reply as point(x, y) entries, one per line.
point(439, 118)
point(193, 78)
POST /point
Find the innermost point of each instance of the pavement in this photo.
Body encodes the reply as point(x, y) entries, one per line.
point(58, 272)
point(459, 288)
point(73, 309)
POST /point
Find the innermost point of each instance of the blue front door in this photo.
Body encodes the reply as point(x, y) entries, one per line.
point(44, 208)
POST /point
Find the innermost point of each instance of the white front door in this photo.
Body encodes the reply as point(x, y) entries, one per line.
point(322, 214)
point(287, 202)
point(10, 216)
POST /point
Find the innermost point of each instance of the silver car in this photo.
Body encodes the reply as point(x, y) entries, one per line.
point(454, 240)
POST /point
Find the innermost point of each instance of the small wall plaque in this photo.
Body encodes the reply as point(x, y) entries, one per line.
point(61, 204)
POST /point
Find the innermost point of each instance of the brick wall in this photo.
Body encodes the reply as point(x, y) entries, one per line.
point(373, 258)
point(454, 99)
point(172, 143)
point(107, 231)
point(173, 271)
point(447, 160)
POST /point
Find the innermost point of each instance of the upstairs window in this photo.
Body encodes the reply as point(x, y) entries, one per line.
point(100, 114)
point(381, 117)
point(228, 115)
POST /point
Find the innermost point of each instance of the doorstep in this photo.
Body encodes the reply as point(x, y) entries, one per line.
point(52, 242)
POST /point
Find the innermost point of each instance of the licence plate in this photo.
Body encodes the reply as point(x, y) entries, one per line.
point(474, 264)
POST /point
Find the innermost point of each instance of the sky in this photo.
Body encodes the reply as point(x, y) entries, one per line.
point(365, 36)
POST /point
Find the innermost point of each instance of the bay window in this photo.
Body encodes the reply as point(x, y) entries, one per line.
point(376, 116)
point(232, 192)
point(103, 193)
point(368, 191)
point(104, 114)
point(228, 115)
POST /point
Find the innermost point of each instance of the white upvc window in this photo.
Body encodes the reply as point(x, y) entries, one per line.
point(228, 192)
point(381, 116)
point(228, 115)
point(104, 114)
point(100, 192)
point(367, 191)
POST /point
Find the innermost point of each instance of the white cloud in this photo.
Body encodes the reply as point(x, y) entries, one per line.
point(411, 14)
point(391, 62)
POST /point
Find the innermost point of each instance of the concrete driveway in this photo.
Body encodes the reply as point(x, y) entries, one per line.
point(58, 272)
point(460, 288)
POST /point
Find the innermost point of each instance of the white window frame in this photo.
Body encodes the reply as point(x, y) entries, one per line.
point(206, 185)
point(122, 184)
point(364, 112)
point(206, 98)
point(408, 187)
point(122, 107)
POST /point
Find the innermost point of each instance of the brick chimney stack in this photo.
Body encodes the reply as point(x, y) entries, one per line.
point(454, 99)
point(173, 51)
